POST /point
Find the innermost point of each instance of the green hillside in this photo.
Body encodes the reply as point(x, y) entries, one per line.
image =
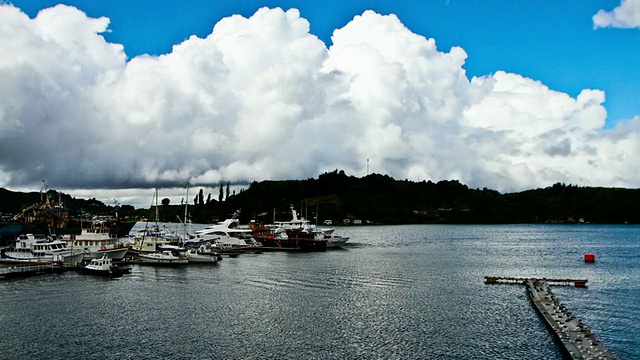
point(380, 199)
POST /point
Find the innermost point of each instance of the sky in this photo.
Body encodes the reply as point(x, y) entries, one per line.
point(110, 99)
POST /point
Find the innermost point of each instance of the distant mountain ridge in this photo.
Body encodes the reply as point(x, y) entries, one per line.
point(380, 199)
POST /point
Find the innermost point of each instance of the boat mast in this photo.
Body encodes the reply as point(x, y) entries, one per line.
point(157, 226)
point(186, 206)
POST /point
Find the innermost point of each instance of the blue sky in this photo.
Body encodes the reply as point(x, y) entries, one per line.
point(514, 95)
point(552, 42)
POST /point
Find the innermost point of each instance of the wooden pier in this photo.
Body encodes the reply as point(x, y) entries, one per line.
point(578, 342)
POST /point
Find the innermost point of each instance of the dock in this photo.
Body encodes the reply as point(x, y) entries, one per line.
point(577, 340)
point(14, 270)
point(523, 281)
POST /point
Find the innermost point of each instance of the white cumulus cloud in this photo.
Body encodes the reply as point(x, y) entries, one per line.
point(627, 15)
point(262, 98)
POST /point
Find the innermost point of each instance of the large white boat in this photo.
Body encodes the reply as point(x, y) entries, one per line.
point(298, 223)
point(163, 258)
point(226, 234)
point(38, 248)
point(233, 223)
point(97, 241)
point(297, 233)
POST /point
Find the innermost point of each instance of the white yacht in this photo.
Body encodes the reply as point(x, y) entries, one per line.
point(226, 234)
point(38, 248)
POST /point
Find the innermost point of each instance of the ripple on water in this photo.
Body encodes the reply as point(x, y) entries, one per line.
point(405, 292)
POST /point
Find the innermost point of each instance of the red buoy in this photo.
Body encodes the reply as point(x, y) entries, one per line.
point(589, 257)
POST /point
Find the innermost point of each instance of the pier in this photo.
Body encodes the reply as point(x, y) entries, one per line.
point(523, 281)
point(13, 270)
point(578, 342)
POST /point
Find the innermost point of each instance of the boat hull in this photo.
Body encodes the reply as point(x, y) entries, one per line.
point(113, 272)
point(114, 254)
point(336, 241)
point(158, 259)
point(293, 244)
point(203, 259)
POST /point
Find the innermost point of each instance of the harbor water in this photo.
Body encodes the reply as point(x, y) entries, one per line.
point(395, 292)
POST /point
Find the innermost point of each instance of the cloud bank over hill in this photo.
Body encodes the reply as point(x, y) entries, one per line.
point(262, 98)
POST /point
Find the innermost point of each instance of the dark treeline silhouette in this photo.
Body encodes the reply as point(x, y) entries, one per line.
point(380, 199)
point(11, 203)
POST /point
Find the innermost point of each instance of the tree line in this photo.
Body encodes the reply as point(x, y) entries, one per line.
point(380, 199)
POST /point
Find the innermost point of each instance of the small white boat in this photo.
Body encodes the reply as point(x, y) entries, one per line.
point(103, 267)
point(163, 258)
point(205, 253)
point(336, 241)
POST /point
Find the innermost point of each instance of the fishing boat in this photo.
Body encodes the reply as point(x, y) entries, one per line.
point(292, 240)
point(103, 267)
point(97, 241)
point(296, 234)
point(297, 222)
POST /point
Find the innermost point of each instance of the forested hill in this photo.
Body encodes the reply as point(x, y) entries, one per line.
point(379, 199)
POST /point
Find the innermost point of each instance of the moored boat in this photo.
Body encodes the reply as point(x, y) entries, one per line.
point(163, 258)
point(38, 248)
point(294, 240)
point(227, 235)
point(97, 241)
point(205, 253)
point(336, 241)
point(103, 266)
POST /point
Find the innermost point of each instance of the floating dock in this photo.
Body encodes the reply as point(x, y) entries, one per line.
point(578, 342)
point(523, 281)
point(13, 270)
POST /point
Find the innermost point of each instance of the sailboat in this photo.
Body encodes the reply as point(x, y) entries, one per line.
point(164, 257)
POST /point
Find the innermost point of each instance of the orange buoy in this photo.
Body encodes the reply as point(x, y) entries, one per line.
point(589, 257)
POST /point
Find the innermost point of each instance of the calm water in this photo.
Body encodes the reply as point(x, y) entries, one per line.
point(397, 292)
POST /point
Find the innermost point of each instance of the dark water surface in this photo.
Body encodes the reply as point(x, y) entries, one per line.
point(396, 292)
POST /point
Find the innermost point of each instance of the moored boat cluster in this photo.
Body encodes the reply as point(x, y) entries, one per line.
point(97, 250)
